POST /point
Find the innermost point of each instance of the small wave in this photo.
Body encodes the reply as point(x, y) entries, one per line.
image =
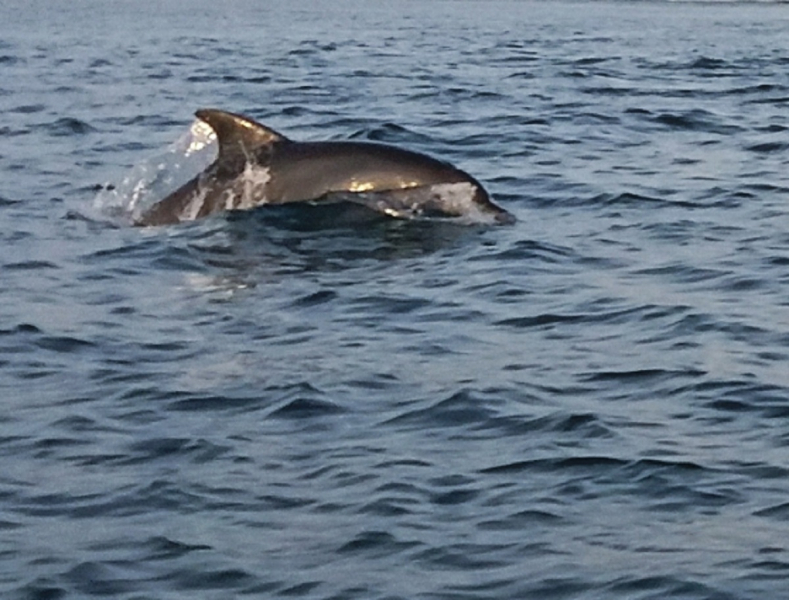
point(14, 132)
point(768, 147)
point(54, 343)
point(164, 548)
point(67, 126)
point(30, 265)
point(306, 408)
point(541, 320)
point(759, 88)
point(389, 132)
point(522, 250)
point(375, 543)
point(315, 299)
point(640, 375)
point(28, 109)
point(23, 328)
point(777, 512)
point(196, 451)
point(65, 344)
point(184, 401)
point(663, 586)
point(42, 589)
point(525, 519)
point(462, 558)
point(312, 48)
point(214, 579)
point(707, 63)
point(586, 464)
point(460, 409)
point(697, 120)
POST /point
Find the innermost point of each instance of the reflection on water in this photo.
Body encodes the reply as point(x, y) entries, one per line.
point(287, 241)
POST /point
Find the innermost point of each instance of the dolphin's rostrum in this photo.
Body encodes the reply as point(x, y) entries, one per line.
point(256, 165)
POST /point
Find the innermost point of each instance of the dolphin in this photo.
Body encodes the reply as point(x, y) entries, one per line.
point(255, 165)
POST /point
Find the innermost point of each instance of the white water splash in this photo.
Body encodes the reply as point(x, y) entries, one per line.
point(154, 178)
point(247, 192)
point(454, 201)
point(251, 191)
point(192, 210)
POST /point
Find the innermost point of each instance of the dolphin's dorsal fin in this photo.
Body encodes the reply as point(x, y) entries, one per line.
point(238, 137)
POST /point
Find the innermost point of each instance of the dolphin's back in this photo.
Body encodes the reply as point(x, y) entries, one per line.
point(305, 171)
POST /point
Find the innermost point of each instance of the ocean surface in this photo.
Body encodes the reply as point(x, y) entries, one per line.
point(299, 402)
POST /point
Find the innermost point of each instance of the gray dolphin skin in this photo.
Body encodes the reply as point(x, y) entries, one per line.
point(401, 182)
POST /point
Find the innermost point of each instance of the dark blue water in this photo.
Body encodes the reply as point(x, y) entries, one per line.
point(591, 403)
